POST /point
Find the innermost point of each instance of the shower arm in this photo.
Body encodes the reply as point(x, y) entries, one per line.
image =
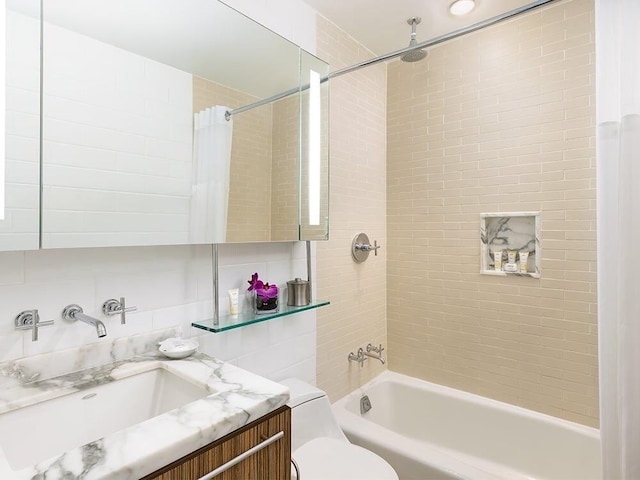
point(397, 53)
point(414, 22)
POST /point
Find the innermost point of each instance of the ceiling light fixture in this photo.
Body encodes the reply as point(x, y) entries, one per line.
point(462, 7)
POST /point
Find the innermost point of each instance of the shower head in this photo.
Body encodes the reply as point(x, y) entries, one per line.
point(413, 55)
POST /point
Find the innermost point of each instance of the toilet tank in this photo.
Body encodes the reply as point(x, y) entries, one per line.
point(311, 415)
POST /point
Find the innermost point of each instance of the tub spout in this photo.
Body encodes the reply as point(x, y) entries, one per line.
point(377, 353)
point(75, 312)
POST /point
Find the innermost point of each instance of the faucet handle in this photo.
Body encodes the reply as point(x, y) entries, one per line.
point(117, 307)
point(30, 320)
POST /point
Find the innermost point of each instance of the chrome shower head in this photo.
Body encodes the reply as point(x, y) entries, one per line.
point(418, 54)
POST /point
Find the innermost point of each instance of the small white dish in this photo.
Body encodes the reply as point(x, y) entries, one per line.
point(178, 347)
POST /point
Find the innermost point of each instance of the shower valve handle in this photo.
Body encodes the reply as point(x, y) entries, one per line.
point(367, 247)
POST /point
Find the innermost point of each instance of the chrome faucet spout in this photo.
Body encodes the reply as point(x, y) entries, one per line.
point(377, 357)
point(377, 353)
point(75, 312)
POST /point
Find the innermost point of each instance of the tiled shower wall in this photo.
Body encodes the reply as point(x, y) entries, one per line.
point(496, 121)
point(357, 314)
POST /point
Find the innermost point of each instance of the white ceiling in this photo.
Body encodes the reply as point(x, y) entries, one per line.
point(381, 25)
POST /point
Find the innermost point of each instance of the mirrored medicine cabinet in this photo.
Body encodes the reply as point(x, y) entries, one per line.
point(136, 133)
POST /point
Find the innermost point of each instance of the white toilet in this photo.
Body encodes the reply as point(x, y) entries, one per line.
point(319, 448)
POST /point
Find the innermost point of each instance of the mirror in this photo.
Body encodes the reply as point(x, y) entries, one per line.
point(136, 147)
point(20, 165)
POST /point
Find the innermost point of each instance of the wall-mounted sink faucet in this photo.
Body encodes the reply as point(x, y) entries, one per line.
point(74, 312)
point(30, 320)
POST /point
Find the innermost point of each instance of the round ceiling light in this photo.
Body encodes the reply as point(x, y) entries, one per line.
point(462, 7)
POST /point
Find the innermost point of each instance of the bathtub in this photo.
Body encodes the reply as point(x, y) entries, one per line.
point(427, 431)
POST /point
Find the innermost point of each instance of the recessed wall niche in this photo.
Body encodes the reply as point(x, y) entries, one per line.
point(512, 231)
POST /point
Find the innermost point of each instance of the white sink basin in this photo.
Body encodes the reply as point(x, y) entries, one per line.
point(37, 432)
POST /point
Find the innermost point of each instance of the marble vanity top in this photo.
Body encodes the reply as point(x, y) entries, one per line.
point(239, 397)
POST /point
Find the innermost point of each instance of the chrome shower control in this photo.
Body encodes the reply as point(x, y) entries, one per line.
point(360, 248)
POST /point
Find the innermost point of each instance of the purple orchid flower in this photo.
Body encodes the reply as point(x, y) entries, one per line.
point(267, 292)
point(255, 283)
point(262, 289)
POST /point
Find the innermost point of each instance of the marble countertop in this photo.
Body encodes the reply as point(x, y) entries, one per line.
point(239, 397)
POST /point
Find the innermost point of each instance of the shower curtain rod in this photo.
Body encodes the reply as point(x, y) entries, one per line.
point(397, 53)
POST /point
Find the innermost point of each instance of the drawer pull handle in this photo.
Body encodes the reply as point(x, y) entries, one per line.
point(226, 466)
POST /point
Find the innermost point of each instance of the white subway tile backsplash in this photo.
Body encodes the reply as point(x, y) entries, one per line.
point(12, 345)
point(27, 77)
point(21, 124)
point(239, 253)
point(179, 151)
point(26, 149)
point(20, 197)
point(12, 270)
point(171, 286)
point(20, 99)
point(136, 323)
point(21, 174)
point(305, 370)
point(292, 327)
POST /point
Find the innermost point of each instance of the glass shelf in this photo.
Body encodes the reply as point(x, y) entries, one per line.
point(229, 322)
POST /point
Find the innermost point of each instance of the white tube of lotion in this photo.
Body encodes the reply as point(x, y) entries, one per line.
point(233, 301)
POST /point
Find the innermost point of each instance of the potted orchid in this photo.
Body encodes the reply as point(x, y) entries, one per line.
point(266, 296)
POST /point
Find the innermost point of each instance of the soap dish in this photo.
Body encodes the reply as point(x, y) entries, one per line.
point(178, 347)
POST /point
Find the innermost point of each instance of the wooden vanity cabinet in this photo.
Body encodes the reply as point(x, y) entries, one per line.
point(270, 463)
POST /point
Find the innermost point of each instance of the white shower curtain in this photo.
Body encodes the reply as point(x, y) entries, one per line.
point(618, 162)
point(211, 169)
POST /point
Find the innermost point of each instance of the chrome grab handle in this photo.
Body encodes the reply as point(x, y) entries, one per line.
point(30, 320)
point(115, 307)
point(234, 461)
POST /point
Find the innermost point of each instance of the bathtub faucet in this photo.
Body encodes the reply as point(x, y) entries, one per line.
point(360, 357)
point(377, 351)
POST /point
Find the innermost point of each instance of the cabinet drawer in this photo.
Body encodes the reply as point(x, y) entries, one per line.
point(270, 462)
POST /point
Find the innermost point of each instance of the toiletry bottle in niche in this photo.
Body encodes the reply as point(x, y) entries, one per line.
point(497, 260)
point(524, 257)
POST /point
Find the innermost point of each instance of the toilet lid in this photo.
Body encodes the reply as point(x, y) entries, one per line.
point(331, 459)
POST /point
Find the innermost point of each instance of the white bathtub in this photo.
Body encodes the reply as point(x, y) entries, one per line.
point(427, 431)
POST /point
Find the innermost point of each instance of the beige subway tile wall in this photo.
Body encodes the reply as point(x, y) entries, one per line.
point(357, 314)
point(251, 147)
point(496, 121)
